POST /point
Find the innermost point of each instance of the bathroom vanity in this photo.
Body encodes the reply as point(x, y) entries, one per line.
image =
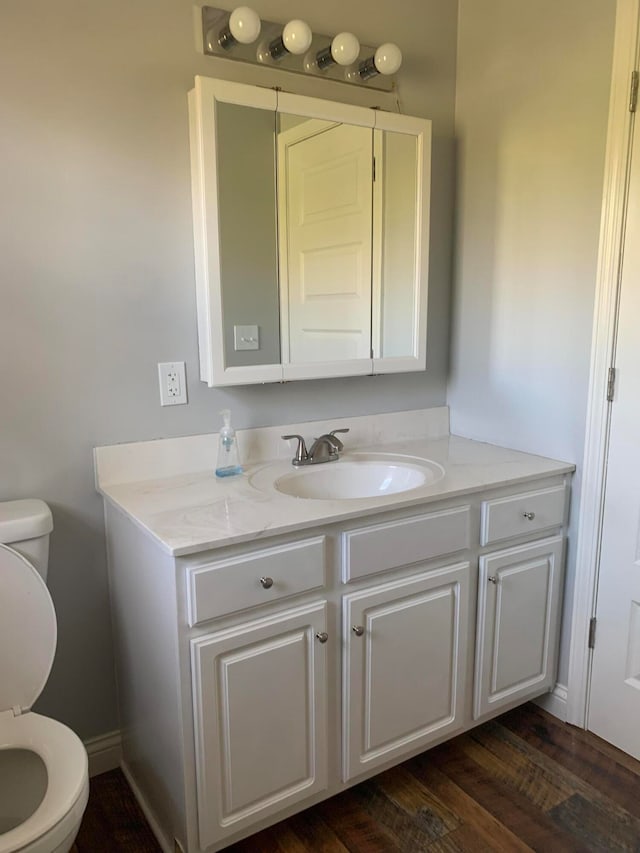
point(273, 650)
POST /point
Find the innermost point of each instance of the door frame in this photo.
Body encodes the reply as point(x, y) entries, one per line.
point(613, 220)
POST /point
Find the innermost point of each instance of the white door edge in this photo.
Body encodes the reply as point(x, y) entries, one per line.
point(625, 60)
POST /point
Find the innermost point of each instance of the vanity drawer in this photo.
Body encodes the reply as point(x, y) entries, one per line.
point(252, 579)
point(369, 550)
point(517, 515)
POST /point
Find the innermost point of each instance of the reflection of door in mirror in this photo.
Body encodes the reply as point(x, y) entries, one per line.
point(324, 211)
point(394, 244)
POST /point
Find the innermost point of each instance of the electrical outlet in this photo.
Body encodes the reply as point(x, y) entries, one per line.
point(173, 384)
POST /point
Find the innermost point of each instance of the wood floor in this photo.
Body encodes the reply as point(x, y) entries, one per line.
point(522, 782)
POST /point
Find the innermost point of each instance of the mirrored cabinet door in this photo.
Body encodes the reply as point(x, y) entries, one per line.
point(325, 203)
point(310, 219)
point(232, 130)
point(402, 153)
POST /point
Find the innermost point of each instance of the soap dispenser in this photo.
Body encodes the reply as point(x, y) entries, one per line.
point(228, 458)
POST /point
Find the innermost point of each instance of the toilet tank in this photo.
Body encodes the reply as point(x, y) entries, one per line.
point(25, 526)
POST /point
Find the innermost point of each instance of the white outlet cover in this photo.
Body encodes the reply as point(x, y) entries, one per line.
point(173, 383)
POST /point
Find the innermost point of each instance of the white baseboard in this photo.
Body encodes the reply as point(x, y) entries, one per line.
point(105, 752)
point(555, 702)
point(166, 845)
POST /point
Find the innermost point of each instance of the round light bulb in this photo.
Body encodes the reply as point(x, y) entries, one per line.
point(345, 48)
point(244, 24)
point(388, 58)
point(297, 36)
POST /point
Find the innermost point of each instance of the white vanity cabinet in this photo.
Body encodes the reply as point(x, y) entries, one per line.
point(259, 687)
point(519, 596)
point(518, 622)
point(404, 673)
point(259, 700)
point(259, 678)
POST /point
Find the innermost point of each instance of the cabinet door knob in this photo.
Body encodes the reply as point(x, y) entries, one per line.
point(358, 630)
point(529, 515)
point(492, 579)
point(267, 583)
point(322, 636)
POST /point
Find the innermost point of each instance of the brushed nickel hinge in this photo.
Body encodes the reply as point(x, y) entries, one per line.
point(611, 384)
point(633, 99)
point(592, 633)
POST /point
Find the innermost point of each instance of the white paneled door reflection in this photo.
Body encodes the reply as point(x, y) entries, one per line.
point(325, 170)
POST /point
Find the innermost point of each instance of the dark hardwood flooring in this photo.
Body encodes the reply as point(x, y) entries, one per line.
point(524, 781)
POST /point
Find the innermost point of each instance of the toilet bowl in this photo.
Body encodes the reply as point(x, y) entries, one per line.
point(44, 780)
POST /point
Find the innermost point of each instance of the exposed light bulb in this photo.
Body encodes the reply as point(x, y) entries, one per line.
point(244, 24)
point(296, 36)
point(388, 58)
point(345, 48)
point(243, 28)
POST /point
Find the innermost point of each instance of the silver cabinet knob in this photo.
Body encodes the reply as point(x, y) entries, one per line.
point(267, 583)
point(358, 630)
point(529, 515)
point(322, 636)
point(492, 579)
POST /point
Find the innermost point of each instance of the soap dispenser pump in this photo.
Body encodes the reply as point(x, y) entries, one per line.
point(228, 459)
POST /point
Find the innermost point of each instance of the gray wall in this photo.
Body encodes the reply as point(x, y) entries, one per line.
point(96, 266)
point(531, 115)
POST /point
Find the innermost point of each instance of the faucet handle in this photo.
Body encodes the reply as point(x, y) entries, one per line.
point(301, 450)
point(338, 444)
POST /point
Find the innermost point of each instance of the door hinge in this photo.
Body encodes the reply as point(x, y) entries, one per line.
point(374, 169)
point(611, 384)
point(633, 97)
point(592, 633)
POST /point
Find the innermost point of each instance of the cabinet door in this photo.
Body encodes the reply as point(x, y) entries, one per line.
point(519, 593)
point(404, 666)
point(260, 719)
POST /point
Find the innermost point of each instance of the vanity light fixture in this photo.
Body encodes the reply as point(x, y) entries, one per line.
point(296, 38)
point(343, 50)
point(241, 35)
point(243, 27)
point(386, 60)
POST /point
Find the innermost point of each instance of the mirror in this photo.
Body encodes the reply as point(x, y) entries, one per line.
point(311, 224)
point(248, 231)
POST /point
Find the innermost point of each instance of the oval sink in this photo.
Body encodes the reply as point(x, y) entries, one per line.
point(351, 478)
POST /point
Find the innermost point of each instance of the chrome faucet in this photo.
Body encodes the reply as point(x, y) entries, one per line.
point(326, 448)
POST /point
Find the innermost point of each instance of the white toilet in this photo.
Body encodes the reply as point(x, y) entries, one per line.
point(44, 780)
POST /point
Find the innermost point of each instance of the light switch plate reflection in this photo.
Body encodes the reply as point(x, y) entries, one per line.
point(246, 337)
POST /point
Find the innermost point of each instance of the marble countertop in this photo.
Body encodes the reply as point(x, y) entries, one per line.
point(187, 513)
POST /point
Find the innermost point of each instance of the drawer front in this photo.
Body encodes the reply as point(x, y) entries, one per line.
point(369, 550)
point(259, 578)
point(518, 515)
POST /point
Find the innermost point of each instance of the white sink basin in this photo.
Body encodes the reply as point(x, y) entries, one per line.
point(359, 476)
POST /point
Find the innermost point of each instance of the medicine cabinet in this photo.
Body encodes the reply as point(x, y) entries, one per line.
point(311, 231)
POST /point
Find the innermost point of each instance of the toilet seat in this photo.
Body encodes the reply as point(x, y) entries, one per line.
point(28, 633)
point(65, 759)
